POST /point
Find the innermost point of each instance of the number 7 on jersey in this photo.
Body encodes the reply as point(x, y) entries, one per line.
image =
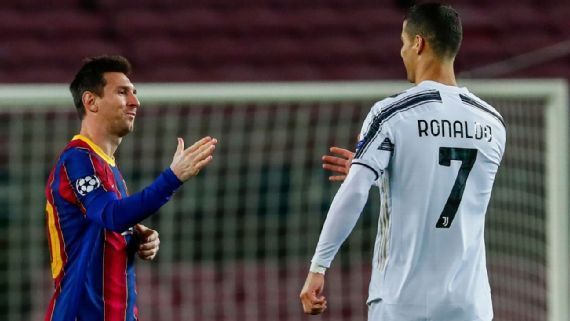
point(467, 156)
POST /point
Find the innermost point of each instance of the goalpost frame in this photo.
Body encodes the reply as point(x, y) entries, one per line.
point(555, 93)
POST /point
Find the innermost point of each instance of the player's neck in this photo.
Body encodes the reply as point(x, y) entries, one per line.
point(98, 135)
point(437, 71)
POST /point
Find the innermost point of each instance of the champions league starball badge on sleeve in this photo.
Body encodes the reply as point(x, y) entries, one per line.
point(87, 184)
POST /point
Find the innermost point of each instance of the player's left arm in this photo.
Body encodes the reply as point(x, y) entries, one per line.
point(311, 295)
point(343, 214)
point(359, 171)
point(341, 219)
point(372, 157)
point(149, 242)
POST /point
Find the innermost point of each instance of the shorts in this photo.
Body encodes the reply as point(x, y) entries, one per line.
point(378, 310)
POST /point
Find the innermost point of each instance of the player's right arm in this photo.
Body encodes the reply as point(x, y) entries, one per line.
point(338, 163)
point(340, 159)
point(102, 205)
point(188, 162)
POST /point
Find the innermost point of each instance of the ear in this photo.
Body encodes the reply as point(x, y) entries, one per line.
point(419, 44)
point(89, 102)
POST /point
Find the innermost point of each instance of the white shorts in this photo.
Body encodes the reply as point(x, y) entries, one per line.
point(378, 310)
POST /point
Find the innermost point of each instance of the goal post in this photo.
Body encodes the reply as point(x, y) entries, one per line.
point(263, 200)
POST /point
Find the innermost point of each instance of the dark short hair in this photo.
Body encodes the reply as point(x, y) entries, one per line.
point(91, 77)
point(439, 24)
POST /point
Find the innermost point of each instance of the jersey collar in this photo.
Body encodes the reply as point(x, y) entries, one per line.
point(437, 85)
point(96, 149)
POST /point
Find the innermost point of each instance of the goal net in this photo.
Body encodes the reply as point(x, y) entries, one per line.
point(236, 241)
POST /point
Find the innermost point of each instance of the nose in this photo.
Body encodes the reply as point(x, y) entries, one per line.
point(133, 100)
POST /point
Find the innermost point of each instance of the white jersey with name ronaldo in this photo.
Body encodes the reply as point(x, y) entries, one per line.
point(433, 151)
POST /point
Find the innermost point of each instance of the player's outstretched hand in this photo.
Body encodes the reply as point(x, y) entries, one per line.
point(188, 162)
point(339, 164)
point(149, 242)
point(311, 295)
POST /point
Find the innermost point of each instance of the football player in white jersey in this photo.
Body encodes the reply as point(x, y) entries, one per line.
point(433, 151)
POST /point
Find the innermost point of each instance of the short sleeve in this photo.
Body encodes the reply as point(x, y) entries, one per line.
point(86, 175)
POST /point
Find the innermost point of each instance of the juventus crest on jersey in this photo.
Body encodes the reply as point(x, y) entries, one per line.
point(433, 151)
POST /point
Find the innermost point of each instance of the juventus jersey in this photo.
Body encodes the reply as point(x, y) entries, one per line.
point(433, 151)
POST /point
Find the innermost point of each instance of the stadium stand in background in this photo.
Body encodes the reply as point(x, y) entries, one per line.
point(268, 174)
point(259, 40)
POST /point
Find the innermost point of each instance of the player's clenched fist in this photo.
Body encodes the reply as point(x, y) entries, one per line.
point(188, 162)
point(149, 242)
point(311, 298)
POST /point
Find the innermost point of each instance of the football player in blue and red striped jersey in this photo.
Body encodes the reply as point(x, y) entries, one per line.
point(92, 223)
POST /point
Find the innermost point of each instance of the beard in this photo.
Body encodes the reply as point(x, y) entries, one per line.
point(123, 128)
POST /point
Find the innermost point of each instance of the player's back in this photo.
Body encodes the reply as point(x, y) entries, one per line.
point(446, 147)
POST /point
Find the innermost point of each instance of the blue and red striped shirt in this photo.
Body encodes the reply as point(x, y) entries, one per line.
point(89, 225)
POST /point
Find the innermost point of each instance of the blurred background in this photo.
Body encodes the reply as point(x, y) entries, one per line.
point(237, 241)
point(260, 40)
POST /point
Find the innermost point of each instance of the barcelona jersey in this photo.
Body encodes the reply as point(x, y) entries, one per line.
point(92, 266)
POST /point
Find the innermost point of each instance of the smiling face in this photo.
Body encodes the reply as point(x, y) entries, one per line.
point(117, 106)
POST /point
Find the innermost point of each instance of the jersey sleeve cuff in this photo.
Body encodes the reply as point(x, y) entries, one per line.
point(170, 179)
point(317, 268)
